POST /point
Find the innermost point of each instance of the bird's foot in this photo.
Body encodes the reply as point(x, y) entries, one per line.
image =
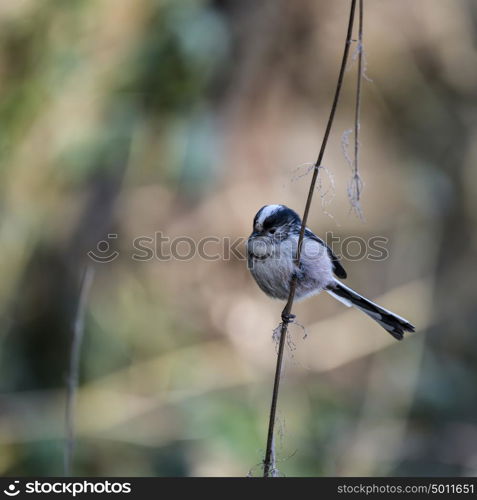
point(288, 318)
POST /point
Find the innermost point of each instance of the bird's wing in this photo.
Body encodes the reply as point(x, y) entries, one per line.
point(338, 269)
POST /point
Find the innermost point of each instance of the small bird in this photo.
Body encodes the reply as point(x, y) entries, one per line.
point(271, 251)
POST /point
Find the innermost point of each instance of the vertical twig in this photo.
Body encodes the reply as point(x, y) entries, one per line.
point(355, 187)
point(73, 373)
point(267, 463)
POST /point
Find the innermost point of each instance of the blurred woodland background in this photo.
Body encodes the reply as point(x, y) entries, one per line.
point(132, 117)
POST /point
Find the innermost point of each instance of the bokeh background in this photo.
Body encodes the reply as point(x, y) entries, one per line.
point(132, 117)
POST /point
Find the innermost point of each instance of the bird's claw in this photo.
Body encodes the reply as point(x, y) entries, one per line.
point(288, 318)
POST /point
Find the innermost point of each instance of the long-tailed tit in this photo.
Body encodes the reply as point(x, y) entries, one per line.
point(271, 250)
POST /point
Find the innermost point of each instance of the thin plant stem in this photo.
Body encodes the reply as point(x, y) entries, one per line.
point(358, 101)
point(268, 468)
point(73, 373)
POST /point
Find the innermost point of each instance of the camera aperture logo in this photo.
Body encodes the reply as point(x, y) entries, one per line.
point(12, 490)
point(73, 488)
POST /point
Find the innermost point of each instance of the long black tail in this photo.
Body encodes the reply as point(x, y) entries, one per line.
point(391, 322)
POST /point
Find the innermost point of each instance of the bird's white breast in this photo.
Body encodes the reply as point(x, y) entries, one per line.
point(273, 268)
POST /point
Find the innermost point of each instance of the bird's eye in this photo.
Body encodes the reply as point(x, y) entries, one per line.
point(272, 231)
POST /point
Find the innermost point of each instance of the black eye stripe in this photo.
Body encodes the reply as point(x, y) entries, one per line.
point(281, 217)
point(273, 220)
